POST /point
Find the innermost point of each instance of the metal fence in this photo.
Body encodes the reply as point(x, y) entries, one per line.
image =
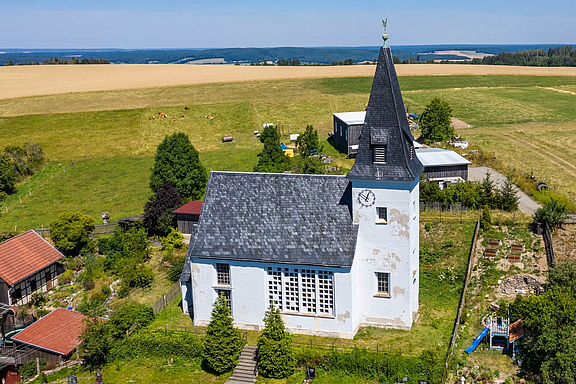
point(99, 229)
point(162, 302)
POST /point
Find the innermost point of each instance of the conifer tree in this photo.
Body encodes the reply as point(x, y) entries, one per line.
point(508, 196)
point(222, 344)
point(275, 352)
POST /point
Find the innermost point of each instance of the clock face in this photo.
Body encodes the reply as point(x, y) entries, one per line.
point(366, 198)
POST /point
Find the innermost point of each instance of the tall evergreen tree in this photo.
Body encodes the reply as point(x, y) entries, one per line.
point(508, 196)
point(272, 158)
point(178, 162)
point(435, 121)
point(222, 344)
point(487, 191)
point(275, 352)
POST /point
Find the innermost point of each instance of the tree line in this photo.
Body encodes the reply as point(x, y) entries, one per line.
point(62, 61)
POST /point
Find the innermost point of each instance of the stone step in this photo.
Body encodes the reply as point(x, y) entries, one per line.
point(246, 364)
point(241, 381)
point(243, 378)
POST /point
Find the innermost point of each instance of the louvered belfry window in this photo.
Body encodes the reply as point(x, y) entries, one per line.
point(380, 154)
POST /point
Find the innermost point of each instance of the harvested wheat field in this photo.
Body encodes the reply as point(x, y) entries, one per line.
point(23, 81)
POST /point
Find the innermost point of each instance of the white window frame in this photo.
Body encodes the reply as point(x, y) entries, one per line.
point(218, 284)
point(380, 220)
point(229, 290)
point(383, 293)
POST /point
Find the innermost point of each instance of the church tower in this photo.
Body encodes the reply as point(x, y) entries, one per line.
point(385, 207)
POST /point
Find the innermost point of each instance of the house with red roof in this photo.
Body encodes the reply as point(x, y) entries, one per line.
point(28, 264)
point(187, 216)
point(54, 337)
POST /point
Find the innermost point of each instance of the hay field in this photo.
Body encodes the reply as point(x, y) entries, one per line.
point(23, 81)
point(101, 144)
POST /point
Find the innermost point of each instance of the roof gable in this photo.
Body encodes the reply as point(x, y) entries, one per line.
point(24, 255)
point(282, 218)
point(57, 332)
point(386, 125)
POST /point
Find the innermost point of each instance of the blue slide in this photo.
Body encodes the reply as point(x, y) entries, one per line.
point(477, 341)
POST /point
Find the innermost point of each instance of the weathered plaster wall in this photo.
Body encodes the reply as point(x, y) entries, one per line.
point(389, 248)
point(249, 287)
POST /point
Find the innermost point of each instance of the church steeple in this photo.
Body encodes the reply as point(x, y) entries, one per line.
point(386, 149)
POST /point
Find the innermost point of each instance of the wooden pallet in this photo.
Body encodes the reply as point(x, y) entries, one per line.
point(514, 256)
point(490, 253)
point(517, 247)
point(493, 243)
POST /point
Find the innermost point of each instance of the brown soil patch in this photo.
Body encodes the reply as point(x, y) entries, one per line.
point(22, 81)
point(564, 241)
point(459, 124)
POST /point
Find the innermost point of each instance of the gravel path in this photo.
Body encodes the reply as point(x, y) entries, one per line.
point(525, 203)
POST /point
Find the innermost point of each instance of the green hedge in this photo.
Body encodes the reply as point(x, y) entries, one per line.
point(159, 344)
point(384, 367)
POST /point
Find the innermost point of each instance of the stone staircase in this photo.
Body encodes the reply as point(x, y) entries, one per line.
point(245, 371)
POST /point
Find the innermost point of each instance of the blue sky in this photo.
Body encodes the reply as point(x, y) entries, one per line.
point(261, 23)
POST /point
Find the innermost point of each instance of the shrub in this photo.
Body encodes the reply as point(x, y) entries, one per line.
point(93, 306)
point(128, 314)
point(486, 219)
point(554, 213)
point(174, 240)
point(222, 344)
point(135, 275)
point(28, 370)
point(71, 232)
point(158, 216)
point(7, 178)
point(159, 344)
point(66, 277)
point(275, 353)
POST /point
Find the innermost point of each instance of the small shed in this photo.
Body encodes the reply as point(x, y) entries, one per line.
point(442, 165)
point(54, 337)
point(188, 216)
point(347, 130)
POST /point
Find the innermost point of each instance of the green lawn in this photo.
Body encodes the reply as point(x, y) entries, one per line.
point(111, 141)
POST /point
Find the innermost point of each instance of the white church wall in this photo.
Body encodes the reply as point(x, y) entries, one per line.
point(249, 298)
point(391, 248)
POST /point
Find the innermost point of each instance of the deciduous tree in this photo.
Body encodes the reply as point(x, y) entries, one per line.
point(435, 121)
point(553, 212)
point(71, 232)
point(272, 158)
point(7, 179)
point(158, 210)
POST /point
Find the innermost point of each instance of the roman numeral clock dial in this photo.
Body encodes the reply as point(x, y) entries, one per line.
point(366, 198)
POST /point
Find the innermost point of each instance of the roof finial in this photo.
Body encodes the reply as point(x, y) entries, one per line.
point(385, 35)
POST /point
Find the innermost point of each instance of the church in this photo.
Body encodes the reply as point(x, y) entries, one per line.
point(333, 253)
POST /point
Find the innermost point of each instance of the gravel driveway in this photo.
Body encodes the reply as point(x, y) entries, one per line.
point(525, 203)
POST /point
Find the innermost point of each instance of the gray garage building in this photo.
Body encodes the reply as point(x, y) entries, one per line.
point(347, 129)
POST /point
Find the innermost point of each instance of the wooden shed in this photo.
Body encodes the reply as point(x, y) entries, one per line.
point(347, 130)
point(188, 216)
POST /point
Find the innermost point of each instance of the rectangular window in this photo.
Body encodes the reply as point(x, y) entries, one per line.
point(340, 131)
point(379, 154)
point(346, 134)
point(335, 127)
point(382, 213)
point(383, 283)
point(228, 295)
point(275, 287)
point(304, 291)
point(223, 273)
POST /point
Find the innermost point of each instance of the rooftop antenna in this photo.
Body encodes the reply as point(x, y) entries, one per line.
point(385, 35)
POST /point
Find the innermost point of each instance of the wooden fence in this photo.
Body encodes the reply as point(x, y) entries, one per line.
point(462, 299)
point(162, 302)
point(99, 229)
point(440, 206)
point(547, 236)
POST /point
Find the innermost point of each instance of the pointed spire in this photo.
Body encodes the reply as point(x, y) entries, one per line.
point(386, 149)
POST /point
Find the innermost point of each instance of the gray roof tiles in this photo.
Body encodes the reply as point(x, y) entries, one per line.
point(386, 124)
point(285, 218)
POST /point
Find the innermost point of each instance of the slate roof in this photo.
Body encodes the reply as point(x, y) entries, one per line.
point(25, 254)
point(57, 332)
point(281, 218)
point(185, 275)
point(191, 207)
point(386, 124)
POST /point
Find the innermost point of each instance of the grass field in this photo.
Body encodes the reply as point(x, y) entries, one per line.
point(106, 142)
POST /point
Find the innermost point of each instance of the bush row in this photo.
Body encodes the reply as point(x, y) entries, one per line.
point(158, 344)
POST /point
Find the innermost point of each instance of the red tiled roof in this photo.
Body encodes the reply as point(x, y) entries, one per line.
point(58, 332)
point(25, 254)
point(516, 331)
point(191, 207)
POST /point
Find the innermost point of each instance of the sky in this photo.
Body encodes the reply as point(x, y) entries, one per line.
point(89, 24)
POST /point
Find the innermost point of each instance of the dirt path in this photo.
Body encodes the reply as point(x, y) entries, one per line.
point(542, 152)
point(525, 203)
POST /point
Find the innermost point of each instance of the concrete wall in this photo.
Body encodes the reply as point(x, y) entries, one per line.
point(249, 293)
point(390, 247)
